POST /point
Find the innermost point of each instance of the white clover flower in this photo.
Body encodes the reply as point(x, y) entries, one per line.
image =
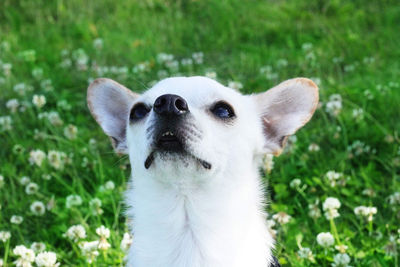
point(333, 177)
point(109, 185)
point(162, 74)
point(331, 206)
point(103, 231)
point(47, 85)
point(26, 256)
point(19, 250)
point(36, 157)
point(266, 69)
point(92, 143)
point(63, 104)
point(56, 159)
point(187, 62)
point(358, 114)
point(282, 217)
point(1, 181)
point(394, 199)
point(39, 100)
point(341, 260)
point(16, 219)
point(81, 59)
point(367, 212)
point(331, 203)
point(95, 205)
point(47, 259)
point(7, 69)
point(235, 85)
point(313, 147)
point(66, 63)
point(54, 118)
point(71, 131)
point(4, 236)
point(98, 43)
point(172, 65)
point(89, 250)
point(211, 75)
point(12, 105)
point(73, 200)
point(198, 57)
point(103, 244)
point(126, 242)
point(5, 123)
point(38, 247)
point(163, 57)
point(24, 180)
point(369, 192)
point(1, 263)
point(314, 211)
point(141, 67)
point(325, 239)
point(37, 73)
point(295, 183)
point(307, 46)
point(46, 177)
point(357, 148)
point(280, 63)
point(305, 253)
point(75, 233)
point(21, 88)
point(38, 208)
point(31, 188)
point(334, 105)
point(341, 248)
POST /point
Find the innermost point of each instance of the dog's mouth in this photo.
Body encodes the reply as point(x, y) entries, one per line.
point(170, 141)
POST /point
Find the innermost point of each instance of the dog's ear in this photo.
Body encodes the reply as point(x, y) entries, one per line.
point(110, 104)
point(284, 109)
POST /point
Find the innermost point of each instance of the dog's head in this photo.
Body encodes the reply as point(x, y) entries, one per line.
point(197, 125)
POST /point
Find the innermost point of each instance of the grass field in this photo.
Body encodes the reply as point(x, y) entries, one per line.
point(57, 168)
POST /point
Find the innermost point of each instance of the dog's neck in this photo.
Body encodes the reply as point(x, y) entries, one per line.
point(187, 222)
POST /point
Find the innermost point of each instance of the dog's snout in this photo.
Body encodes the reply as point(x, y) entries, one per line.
point(170, 105)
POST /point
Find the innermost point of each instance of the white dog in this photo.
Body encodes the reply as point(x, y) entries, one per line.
point(195, 197)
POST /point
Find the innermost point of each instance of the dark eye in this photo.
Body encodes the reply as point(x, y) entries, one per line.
point(138, 112)
point(223, 110)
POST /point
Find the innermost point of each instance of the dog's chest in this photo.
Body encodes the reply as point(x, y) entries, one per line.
point(200, 230)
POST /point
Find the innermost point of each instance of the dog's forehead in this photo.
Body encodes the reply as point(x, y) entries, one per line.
point(195, 90)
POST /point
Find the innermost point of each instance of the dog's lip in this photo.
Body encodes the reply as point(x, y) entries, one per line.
point(149, 160)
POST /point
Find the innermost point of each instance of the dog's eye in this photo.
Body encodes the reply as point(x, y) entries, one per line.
point(138, 112)
point(223, 110)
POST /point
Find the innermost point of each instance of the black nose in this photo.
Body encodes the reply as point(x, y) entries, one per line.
point(170, 105)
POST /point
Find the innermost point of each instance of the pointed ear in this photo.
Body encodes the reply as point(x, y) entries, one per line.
point(110, 104)
point(284, 109)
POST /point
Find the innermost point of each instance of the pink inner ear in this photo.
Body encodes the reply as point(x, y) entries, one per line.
point(109, 103)
point(285, 108)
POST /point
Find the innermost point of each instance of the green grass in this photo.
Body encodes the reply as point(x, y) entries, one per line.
point(350, 47)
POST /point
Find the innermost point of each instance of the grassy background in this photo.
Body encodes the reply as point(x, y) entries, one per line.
point(237, 38)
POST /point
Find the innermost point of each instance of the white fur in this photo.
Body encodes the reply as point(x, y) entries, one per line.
point(184, 215)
